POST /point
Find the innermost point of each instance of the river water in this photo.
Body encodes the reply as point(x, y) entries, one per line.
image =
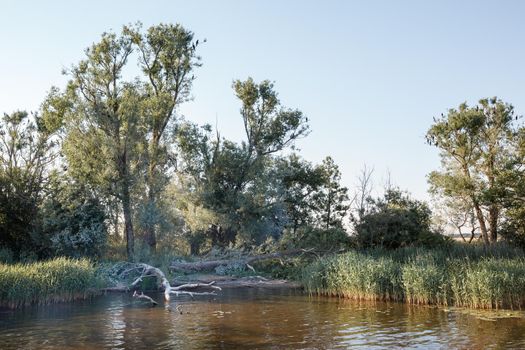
point(256, 319)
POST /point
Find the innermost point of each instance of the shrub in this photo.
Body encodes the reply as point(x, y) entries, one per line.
point(333, 239)
point(397, 221)
point(73, 222)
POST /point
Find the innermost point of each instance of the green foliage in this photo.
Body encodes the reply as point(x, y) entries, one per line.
point(167, 57)
point(465, 276)
point(333, 239)
point(27, 148)
point(481, 160)
point(103, 126)
point(513, 229)
point(397, 221)
point(331, 199)
point(6, 256)
point(299, 183)
point(73, 221)
point(238, 186)
point(51, 281)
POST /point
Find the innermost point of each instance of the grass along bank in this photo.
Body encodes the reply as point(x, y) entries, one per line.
point(56, 280)
point(463, 276)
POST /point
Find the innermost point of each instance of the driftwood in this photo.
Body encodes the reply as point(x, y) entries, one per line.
point(148, 270)
point(247, 261)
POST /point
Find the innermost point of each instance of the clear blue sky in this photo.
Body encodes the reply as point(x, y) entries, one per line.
point(370, 75)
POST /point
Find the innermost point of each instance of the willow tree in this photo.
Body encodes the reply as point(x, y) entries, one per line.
point(236, 180)
point(167, 57)
point(476, 147)
point(103, 124)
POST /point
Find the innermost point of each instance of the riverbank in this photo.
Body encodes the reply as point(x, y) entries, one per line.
point(463, 276)
point(56, 280)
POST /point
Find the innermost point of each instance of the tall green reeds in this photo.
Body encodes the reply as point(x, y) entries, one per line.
point(476, 277)
point(57, 280)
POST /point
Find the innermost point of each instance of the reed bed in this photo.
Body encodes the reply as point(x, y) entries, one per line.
point(475, 277)
point(57, 280)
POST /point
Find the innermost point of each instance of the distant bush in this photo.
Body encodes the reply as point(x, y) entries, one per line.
point(397, 221)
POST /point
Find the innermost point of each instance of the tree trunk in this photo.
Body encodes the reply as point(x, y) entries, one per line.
point(149, 231)
point(329, 207)
point(477, 209)
point(493, 208)
point(195, 247)
point(493, 223)
point(472, 234)
point(128, 224)
point(481, 220)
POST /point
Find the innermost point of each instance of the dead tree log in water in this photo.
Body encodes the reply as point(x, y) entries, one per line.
point(146, 270)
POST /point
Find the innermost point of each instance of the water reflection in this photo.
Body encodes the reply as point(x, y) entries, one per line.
point(255, 319)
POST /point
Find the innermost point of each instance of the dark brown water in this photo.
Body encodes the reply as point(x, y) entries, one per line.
point(256, 319)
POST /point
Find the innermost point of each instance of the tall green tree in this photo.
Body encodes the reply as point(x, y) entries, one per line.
point(236, 181)
point(103, 123)
point(167, 57)
point(476, 145)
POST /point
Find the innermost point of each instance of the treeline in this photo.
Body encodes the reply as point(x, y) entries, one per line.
point(110, 156)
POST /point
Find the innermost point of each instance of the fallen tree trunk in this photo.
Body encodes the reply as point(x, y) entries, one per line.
point(148, 270)
point(212, 264)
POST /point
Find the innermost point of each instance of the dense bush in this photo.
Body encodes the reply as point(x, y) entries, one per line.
point(18, 210)
point(397, 221)
point(73, 222)
point(513, 228)
point(332, 239)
